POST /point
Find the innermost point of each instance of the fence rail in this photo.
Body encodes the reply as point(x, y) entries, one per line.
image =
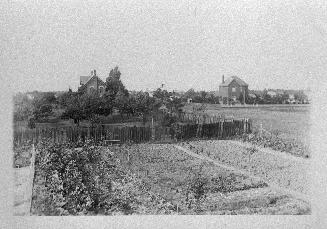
point(218, 130)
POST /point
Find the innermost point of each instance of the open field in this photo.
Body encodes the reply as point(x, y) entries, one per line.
point(152, 179)
point(289, 122)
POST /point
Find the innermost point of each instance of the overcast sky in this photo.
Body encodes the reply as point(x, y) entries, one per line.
point(183, 44)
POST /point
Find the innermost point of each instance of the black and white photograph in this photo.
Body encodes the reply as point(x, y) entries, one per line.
point(163, 108)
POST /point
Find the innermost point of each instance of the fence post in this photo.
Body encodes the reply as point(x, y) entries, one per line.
point(152, 130)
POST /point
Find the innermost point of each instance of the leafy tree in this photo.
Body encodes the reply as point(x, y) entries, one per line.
point(142, 104)
point(189, 94)
point(252, 100)
point(74, 109)
point(203, 95)
point(266, 97)
point(44, 98)
point(200, 97)
point(106, 105)
point(175, 104)
point(42, 111)
point(300, 96)
point(284, 97)
point(64, 98)
point(79, 106)
point(114, 84)
point(122, 103)
point(162, 95)
point(23, 107)
point(43, 104)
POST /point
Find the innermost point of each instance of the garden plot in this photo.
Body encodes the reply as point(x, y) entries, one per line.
point(288, 174)
point(196, 186)
point(88, 179)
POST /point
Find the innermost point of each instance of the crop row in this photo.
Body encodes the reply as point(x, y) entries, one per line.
point(285, 173)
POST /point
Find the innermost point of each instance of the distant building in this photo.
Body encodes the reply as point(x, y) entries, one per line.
point(92, 84)
point(233, 89)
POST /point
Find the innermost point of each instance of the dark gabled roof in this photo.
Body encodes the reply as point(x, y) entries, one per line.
point(84, 79)
point(231, 79)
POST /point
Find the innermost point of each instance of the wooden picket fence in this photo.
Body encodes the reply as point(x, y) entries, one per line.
point(194, 118)
point(75, 134)
point(220, 130)
point(200, 118)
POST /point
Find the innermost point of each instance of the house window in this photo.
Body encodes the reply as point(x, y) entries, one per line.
point(91, 89)
point(233, 89)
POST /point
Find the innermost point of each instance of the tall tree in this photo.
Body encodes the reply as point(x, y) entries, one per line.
point(85, 106)
point(122, 103)
point(114, 83)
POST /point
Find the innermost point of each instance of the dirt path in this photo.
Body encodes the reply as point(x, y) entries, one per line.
point(23, 187)
point(234, 169)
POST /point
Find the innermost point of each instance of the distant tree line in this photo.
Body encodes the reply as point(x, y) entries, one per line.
point(200, 97)
point(85, 106)
point(278, 97)
point(117, 100)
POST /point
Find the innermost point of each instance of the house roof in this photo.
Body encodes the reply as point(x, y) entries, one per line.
point(231, 79)
point(84, 79)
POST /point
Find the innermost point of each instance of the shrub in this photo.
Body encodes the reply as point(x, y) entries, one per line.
point(81, 181)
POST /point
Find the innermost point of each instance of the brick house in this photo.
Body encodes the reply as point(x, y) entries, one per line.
point(232, 90)
point(92, 84)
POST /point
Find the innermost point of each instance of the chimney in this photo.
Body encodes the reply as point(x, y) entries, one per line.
point(223, 79)
point(93, 72)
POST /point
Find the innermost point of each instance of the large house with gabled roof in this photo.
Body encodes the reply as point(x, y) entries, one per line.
point(233, 89)
point(92, 84)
